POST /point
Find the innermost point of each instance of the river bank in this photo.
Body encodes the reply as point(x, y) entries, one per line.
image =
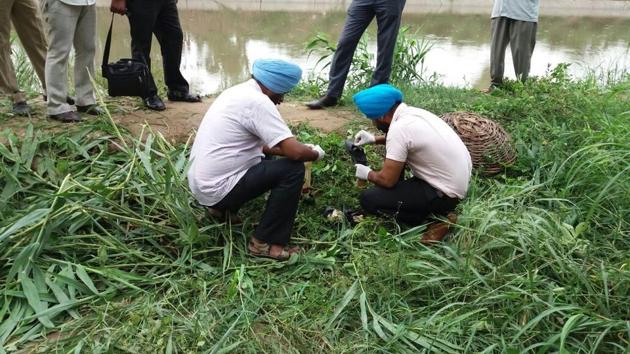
point(564, 8)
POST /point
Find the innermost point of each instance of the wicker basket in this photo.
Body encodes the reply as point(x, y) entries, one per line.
point(490, 146)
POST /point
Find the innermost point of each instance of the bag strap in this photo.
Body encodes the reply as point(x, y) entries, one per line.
point(108, 44)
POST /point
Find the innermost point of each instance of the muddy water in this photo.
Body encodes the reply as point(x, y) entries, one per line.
point(221, 41)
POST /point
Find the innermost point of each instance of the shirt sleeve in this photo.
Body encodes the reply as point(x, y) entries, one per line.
point(268, 125)
point(396, 146)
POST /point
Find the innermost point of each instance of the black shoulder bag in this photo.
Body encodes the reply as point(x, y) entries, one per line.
point(126, 77)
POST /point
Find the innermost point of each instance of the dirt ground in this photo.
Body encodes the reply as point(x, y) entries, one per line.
point(180, 120)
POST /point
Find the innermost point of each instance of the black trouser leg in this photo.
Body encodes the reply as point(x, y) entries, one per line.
point(360, 14)
point(410, 201)
point(522, 42)
point(142, 16)
point(168, 32)
point(500, 40)
point(388, 15)
point(284, 178)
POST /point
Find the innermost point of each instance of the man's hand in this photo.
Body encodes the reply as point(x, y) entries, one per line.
point(118, 7)
point(364, 138)
point(362, 171)
point(318, 149)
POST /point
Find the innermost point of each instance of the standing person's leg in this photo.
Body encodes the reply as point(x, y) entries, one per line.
point(168, 32)
point(388, 16)
point(29, 25)
point(500, 40)
point(284, 178)
point(142, 15)
point(85, 49)
point(410, 201)
point(62, 20)
point(360, 14)
point(522, 43)
point(8, 80)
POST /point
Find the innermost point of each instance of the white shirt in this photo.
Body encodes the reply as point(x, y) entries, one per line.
point(432, 150)
point(521, 10)
point(230, 140)
point(79, 2)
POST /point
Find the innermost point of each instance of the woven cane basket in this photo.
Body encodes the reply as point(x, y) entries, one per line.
point(490, 146)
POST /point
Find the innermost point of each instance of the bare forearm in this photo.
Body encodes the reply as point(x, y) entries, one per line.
point(381, 180)
point(276, 151)
point(380, 140)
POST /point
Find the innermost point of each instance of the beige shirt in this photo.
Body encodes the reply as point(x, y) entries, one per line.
point(432, 150)
point(230, 139)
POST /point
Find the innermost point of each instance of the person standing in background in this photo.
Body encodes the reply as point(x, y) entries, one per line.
point(360, 13)
point(27, 20)
point(159, 17)
point(514, 22)
point(70, 23)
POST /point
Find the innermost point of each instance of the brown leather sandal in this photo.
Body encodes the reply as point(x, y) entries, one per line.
point(438, 230)
point(263, 250)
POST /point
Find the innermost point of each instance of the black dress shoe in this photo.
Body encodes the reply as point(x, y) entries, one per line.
point(69, 100)
point(183, 97)
point(91, 109)
point(155, 103)
point(66, 117)
point(323, 102)
point(21, 109)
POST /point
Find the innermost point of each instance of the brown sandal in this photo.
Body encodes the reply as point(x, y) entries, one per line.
point(263, 249)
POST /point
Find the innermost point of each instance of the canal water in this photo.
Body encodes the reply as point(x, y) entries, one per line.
point(222, 40)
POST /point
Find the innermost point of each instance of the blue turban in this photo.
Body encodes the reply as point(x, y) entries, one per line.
point(277, 75)
point(377, 100)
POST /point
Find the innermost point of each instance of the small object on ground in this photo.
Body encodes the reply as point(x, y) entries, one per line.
point(262, 249)
point(91, 109)
point(66, 117)
point(224, 216)
point(438, 230)
point(489, 145)
point(154, 102)
point(177, 96)
point(21, 109)
point(334, 215)
point(353, 216)
point(323, 102)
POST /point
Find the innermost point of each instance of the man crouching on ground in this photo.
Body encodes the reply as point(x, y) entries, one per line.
point(242, 125)
point(439, 161)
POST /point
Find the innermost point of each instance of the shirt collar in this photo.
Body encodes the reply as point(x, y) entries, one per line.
point(254, 85)
point(399, 111)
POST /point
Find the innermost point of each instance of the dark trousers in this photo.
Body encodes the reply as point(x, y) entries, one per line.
point(521, 35)
point(410, 201)
point(360, 14)
point(159, 17)
point(284, 178)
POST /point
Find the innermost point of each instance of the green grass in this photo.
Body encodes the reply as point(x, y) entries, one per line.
point(102, 249)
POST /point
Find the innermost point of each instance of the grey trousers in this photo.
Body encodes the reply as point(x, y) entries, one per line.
point(360, 14)
point(27, 21)
point(521, 35)
point(70, 26)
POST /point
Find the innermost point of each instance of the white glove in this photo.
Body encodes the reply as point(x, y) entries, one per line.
point(320, 152)
point(362, 171)
point(364, 138)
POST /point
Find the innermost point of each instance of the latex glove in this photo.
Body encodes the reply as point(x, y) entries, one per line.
point(362, 171)
point(364, 138)
point(320, 152)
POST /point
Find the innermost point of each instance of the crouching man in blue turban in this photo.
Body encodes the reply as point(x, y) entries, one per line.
point(227, 170)
point(439, 161)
